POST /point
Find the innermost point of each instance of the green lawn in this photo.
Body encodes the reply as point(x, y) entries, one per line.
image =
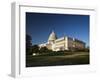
point(68, 58)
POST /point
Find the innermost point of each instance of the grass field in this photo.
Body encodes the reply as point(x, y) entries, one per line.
point(75, 58)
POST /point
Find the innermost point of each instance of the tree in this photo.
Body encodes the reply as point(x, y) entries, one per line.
point(28, 45)
point(35, 49)
point(44, 49)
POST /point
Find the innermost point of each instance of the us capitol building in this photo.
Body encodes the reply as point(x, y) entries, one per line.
point(63, 43)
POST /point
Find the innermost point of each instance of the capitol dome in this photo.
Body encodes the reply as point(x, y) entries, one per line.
point(52, 36)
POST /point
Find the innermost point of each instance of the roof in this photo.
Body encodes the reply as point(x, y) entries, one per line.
point(52, 36)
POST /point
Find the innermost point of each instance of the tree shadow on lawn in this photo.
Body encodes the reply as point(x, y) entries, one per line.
point(36, 61)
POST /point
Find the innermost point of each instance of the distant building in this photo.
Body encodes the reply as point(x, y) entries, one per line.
point(63, 43)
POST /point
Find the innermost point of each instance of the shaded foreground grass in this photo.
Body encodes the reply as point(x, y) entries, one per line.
point(75, 58)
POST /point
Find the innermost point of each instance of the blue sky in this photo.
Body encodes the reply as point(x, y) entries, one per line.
point(40, 25)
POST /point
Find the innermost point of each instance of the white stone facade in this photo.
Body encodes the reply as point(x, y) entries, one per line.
point(63, 43)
